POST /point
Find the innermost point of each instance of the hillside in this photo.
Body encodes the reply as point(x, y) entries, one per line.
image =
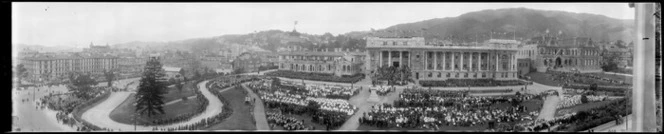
point(526, 23)
point(467, 27)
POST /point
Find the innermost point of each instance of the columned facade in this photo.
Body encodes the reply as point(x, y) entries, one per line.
point(443, 62)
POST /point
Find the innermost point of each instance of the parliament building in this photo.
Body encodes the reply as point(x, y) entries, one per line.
point(441, 62)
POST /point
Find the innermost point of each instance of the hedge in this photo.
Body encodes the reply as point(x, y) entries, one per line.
point(317, 76)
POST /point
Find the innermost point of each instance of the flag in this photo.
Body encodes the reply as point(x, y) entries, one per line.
point(295, 22)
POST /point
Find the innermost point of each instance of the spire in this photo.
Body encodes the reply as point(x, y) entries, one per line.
point(91, 44)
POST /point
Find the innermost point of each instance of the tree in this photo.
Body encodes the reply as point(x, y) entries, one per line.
point(151, 88)
point(312, 106)
point(610, 62)
point(197, 75)
point(276, 82)
point(110, 75)
point(182, 73)
point(179, 85)
point(81, 84)
point(593, 87)
point(584, 99)
point(238, 71)
point(21, 72)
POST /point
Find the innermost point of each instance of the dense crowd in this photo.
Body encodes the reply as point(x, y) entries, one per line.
point(471, 83)
point(288, 123)
point(571, 78)
point(294, 99)
point(430, 109)
point(573, 100)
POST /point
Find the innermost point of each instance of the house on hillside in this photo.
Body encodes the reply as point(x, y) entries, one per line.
point(172, 72)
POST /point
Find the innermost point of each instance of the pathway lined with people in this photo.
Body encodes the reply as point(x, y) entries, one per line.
point(548, 110)
point(100, 115)
point(259, 110)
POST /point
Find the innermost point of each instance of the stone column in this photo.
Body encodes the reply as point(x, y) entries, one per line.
point(461, 67)
point(389, 58)
point(400, 58)
point(435, 60)
point(444, 54)
point(380, 58)
point(453, 58)
point(470, 62)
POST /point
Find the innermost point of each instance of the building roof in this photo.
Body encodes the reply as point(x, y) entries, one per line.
point(171, 69)
point(312, 53)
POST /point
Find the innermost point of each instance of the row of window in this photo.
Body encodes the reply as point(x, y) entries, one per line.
point(465, 75)
point(569, 52)
point(394, 43)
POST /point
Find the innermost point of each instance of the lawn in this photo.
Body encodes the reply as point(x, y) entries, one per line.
point(123, 113)
point(543, 78)
point(533, 105)
point(582, 107)
point(173, 93)
point(241, 118)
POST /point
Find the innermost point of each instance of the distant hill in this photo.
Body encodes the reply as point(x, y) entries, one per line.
point(467, 27)
point(526, 22)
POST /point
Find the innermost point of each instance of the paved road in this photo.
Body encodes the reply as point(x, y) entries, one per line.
point(548, 111)
point(100, 114)
point(259, 110)
point(32, 119)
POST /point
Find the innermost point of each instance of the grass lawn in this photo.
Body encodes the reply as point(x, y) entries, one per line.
point(174, 94)
point(123, 113)
point(241, 118)
point(543, 78)
point(582, 107)
point(533, 105)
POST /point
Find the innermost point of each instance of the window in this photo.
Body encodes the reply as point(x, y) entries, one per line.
point(439, 75)
point(384, 43)
point(405, 43)
point(430, 75)
point(417, 56)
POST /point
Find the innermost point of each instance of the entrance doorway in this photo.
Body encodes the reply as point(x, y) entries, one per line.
point(395, 64)
point(558, 62)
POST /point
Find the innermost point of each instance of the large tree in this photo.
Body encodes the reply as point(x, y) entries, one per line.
point(81, 84)
point(110, 76)
point(150, 90)
point(182, 74)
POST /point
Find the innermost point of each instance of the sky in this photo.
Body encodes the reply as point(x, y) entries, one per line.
point(78, 24)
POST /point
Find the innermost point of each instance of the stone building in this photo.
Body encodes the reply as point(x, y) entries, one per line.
point(442, 62)
point(568, 54)
point(338, 62)
point(58, 65)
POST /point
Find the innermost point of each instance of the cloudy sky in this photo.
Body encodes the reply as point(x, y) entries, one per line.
point(78, 24)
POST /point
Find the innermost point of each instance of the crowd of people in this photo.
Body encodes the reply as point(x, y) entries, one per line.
point(430, 109)
point(287, 123)
point(471, 83)
point(298, 99)
point(572, 78)
point(573, 100)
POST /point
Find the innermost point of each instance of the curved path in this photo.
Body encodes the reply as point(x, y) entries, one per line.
point(259, 110)
point(100, 115)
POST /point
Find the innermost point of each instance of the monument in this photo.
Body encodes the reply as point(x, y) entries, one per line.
point(373, 97)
